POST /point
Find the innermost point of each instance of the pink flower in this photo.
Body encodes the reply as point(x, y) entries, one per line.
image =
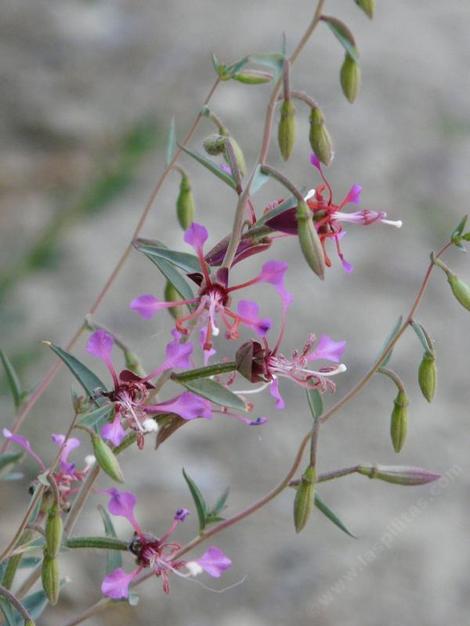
point(214, 562)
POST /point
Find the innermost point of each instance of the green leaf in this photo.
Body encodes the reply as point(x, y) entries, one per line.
point(422, 336)
point(199, 502)
point(290, 203)
point(8, 612)
point(13, 381)
point(457, 232)
point(171, 142)
point(35, 604)
point(215, 392)
point(343, 35)
point(211, 166)
point(173, 276)
point(8, 459)
point(97, 418)
point(189, 263)
point(259, 179)
point(272, 60)
point(29, 561)
point(390, 337)
point(231, 70)
point(89, 381)
point(221, 502)
point(315, 402)
point(219, 68)
point(321, 506)
point(113, 557)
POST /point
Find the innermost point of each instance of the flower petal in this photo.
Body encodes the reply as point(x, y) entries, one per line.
point(196, 235)
point(23, 443)
point(328, 349)
point(214, 562)
point(113, 431)
point(276, 394)
point(122, 504)
point(100, 344)
point(147, 305)
point(188, 405)
point(116, 584)
point(177, 353)
point(249, 312)
point(353, 196)
point(273, 272)
point(69, 445)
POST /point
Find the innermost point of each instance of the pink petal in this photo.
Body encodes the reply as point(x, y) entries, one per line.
point(113, 431)
point(23, 443)
point(249, 311)
point(122, 504)
point(177, 353)
point(276, 394)
point(214, 562)
point(196, 235)
point(188, 405)
point(100, 344)
point(273, 272)
point(315, 161)
point(147, 305)
point(353, 196)
point(328, 349)
point(116, 584)
point(70, 445)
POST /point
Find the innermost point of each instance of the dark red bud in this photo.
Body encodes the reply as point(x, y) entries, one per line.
point(251, 361)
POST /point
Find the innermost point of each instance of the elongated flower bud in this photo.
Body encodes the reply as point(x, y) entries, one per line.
point(460, 290)
point(427, 375)
point(214, 144)
point(253, 77)
point(309, 240)
point(50, 577)
point(171, 295)
point(287, 129)
point(407, 476)
point(185, 206)
point(54, 531)
point(303, 502)
point(320, 139)
point(106, 459)
point(350, 77)
point(368, 6)
point(399, 421)
point(239, 157)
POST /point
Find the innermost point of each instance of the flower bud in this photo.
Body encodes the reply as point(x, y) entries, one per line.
point(54, 530)
point(50, 578)
point(398, 474)
point(399, 421)
point(250, 360)
point(309, 241)
point(239, 157)
point(320, 139)
point(368, 6)
point(303, 502)
point(287, 129)
point(106, 459)
point(214, 144)
point(427, 375)
point(171, 295)
point(460, 290)
point(185, 204)
point(350, 77)
point(253, 77)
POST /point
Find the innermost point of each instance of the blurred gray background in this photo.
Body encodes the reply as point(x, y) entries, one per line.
point(88, 92)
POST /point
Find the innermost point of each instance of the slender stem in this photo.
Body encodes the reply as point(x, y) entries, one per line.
point(24, 522)
point(274, 173)
point(386, 351)
point(13, 600)
point(314, 441)
point(80, 500)
point(393, 376)
point(337, 473)
point(205, 372)
point(51, 374)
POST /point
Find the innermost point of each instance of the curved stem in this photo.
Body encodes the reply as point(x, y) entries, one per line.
point(13, 600)
point(51, 374)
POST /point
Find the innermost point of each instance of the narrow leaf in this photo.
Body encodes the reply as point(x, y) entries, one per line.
point(8, 612)
point(457, 232)
point(13, 381)
point(89, 381)
point(199, 502)
point(182, 260)
point(343, 35)
point(272, 60)
point(171, 142)
point(113, 557)
point(422, 336)
point(215, 392)
point(315, 402)
point(211, 166)
point(259, 179)
point(390, 337)
point(29, 561)
point(97, 418)
point(321, 506)
point(221, 502)
point(173, 276)
point(35, 604)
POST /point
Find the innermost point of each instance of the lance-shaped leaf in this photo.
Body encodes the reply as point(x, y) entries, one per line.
point(327, 512)
point(182, 260)
point(343, 35)
point(113, 557)
point(35, 604)
point(456, 235)
point(211, 166)
point(87, 379)
point(16, 390)
point(422, 336)
point(199, 502)
point(315, 402)
point(214, 514)
point(97, 418)
point(259, 179)
point(171, 142)
point(390, 337)
point(8, 612)
point(215, 392)
point(271, 60)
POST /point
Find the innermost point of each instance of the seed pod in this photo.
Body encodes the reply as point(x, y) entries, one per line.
point(427, 375)
point(171, 295)
point(106, 459)
point(185, 203)
point(399, 421)
point(350, 77)
point(399, 474)
point(287, 129)
point(320, 139)
point(50, 578)
point(303, 502)
point(309, 241)
point(368, 6)
point(54, 530)
point(214, 144)
point(239, 157)
point(460, 290)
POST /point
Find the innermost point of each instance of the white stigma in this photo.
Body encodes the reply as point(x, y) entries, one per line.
point(150, 425)
point(396, 223)
point(194, 568)
point(310, 194)
point(90, 460)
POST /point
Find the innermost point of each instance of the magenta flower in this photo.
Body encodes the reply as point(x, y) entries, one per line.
point(328, 216)
point(155, 553)
point(213, 302)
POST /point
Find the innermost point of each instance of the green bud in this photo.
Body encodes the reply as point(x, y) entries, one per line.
point(460, 290)
point(368, 6)
point(399, 421)
point(239, 157)
point(253, 77)
point(427, 375)
point(50, 578)
point(106, 459)
point(54, 531)
point(303, 502)
point(133, 363)
point(309, 241)
point(171, 295)
point(320, 139)
point(350, 76)
point(214, 144)
point(407, 476)
point(287, 129)
point(185, 204)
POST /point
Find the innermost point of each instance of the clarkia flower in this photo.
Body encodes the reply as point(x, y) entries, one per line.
point(212, 305)
point(328, 216)
point(156, 553)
